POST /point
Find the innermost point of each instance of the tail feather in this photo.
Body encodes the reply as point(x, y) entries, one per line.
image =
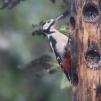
point(72, 77)
point(68, 70)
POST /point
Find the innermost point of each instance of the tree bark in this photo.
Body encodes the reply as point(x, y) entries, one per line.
point(86, 30)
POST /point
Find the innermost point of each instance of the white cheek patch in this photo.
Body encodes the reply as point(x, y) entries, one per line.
point(47, 24)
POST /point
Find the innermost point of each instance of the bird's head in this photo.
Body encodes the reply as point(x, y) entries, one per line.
point(48, 27)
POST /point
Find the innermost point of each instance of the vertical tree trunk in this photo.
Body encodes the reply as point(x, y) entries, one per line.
point(88, 40)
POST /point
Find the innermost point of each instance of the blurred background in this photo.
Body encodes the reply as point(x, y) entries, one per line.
point(28, 69)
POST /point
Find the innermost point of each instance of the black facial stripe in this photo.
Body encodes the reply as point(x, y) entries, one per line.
point(51, 25)
point(48, 31)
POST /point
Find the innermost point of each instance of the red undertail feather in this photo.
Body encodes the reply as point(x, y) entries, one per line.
point(66, 63)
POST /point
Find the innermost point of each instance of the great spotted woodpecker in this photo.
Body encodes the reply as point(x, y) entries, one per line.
point(59, 44)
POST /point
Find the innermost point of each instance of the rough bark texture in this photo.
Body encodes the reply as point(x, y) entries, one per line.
point(86, 34)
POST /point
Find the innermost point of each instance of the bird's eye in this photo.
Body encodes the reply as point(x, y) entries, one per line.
point(90, 12)
point(48, 21)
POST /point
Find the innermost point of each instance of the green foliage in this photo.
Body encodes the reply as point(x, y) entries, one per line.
point(64, 29)
point(21, 79)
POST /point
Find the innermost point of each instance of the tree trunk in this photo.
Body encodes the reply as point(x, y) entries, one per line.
point(86, 30)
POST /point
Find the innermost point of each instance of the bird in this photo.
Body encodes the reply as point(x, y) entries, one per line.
point(60, 45)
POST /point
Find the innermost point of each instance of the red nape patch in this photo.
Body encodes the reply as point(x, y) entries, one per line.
point(66, 63)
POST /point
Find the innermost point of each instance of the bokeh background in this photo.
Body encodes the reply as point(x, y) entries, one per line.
point(28, 69)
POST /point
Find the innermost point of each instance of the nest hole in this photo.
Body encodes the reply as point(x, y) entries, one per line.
point(92, 58)
point(92, 55)
point(90, 12)
point(72, 22)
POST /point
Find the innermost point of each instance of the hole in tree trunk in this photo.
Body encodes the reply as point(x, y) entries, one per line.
point(72, 22)
point(98, 90)
point(91, 12)
point(92, 58)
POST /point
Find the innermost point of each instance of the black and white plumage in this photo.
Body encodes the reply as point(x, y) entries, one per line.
point(59, 45)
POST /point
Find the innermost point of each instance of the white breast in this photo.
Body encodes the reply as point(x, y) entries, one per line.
point(61, 40)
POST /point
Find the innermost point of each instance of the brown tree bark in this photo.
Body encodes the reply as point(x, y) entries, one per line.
point(86, 29)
